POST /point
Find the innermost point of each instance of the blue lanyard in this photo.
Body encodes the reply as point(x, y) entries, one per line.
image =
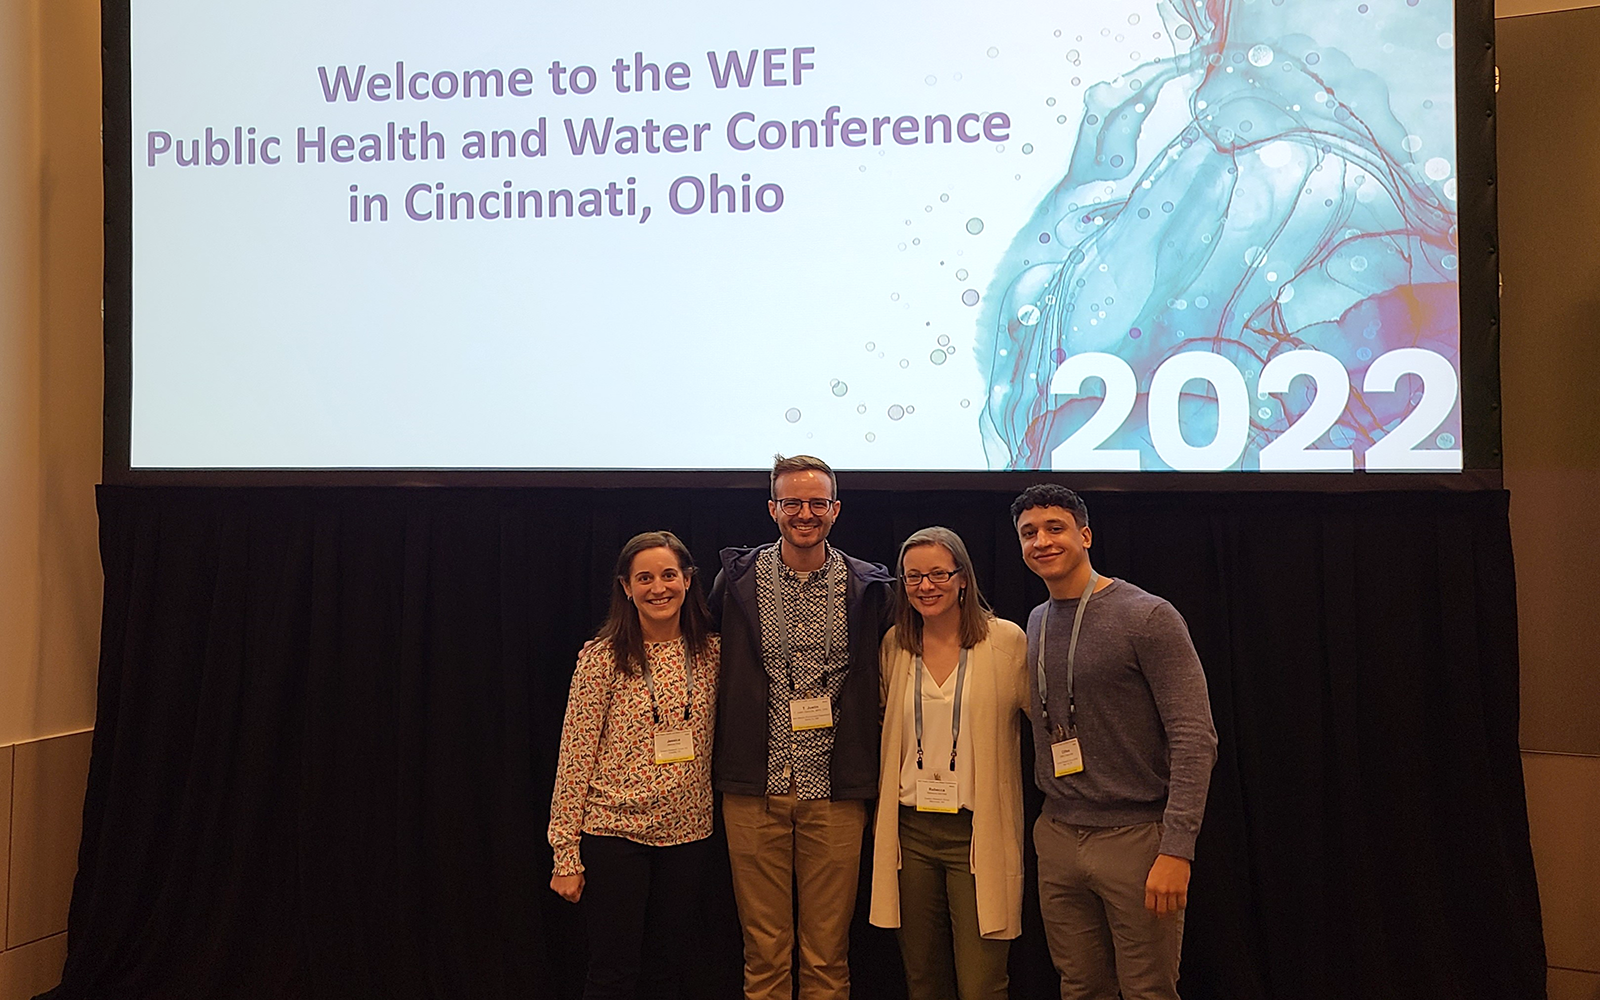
point(955, 712)
point(1072, 655)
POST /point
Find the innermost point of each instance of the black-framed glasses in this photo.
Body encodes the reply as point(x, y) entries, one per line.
point(940, 577)
point(794, 505)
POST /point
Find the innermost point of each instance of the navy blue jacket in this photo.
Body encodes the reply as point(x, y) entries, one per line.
point(739, 760)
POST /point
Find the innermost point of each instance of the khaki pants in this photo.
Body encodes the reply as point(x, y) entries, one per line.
point(1091, 894)
point(777, 843)
point(945, 956)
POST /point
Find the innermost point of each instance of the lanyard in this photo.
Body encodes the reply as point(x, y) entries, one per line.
point(783, 618)
point(650, 684)
point(955, 712)
point(1072, 655)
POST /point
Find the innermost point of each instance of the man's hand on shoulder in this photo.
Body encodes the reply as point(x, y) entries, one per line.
point(1166, 890)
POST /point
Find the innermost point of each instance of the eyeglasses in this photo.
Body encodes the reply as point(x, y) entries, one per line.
point(794, 505)
point(940, 577)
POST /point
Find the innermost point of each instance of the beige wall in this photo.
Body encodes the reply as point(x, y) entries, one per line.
point(1549, 192)
point(50, 356)
point(50, 392)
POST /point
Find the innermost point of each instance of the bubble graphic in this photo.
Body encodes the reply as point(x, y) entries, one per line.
point(974, 225)
point(1445, 440)
point(871, 437)
point(1133, 18)
point(1286, 293)
point(950, 350)
point(1362, 9)
point(944, 197)
point(910, 410)
point(931, 80)
point(861, 408)
point(896, 412)
point(905, 362)
point(1364, 353)
point(1028, 315)
point(944, 340)
point(1184, 31)
point(871, 346)
point(938, 356)
point(1135, 333)
point(839, 388)
point(894, 296)
point(966, 403)
point(792, 415)
point(1448, 262)
point(961, 274)
point(969, 297)
point(1445, 40)
point(1200, 302)
point(1358, 263)
point(993, 52)
point(1411, 143)
point(1437, 168)
point(1450, 189)
point(1312, 58)
point(1044, 237)
point(1027, 148)
point(1049, 102)
point(1264, 413)
point(1255, 255)
point(1261, 55)
point(1072, 55)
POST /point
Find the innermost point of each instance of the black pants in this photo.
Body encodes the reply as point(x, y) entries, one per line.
point(639, 904)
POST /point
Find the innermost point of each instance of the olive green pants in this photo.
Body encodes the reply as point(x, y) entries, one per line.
point(945, 957)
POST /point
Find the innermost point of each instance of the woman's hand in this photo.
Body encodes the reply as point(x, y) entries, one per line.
point(568, 887)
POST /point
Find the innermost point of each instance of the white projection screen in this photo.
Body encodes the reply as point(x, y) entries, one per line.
point(1128, 236)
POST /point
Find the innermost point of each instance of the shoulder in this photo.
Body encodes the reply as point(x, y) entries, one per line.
point(596, 659)
point(1004, 633)
point(866, 572)
point(736, 561)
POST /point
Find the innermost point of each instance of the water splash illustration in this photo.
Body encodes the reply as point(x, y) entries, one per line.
point(1252, 193)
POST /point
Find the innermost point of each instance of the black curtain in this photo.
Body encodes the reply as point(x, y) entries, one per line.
point(328, 721)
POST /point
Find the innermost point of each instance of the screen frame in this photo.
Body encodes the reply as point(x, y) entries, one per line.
point(1479, 291)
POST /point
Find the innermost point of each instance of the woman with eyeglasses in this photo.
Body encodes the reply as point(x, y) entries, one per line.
point(947, 861)
point(632, 804)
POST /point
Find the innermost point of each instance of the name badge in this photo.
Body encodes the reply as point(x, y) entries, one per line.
point(810, 713)
point(937, 796)
point(1068, 757)
point(674, 746)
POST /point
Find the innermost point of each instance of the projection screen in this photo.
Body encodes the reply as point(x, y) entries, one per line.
point(1121, 236)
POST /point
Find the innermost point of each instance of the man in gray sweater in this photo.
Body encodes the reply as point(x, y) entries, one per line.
point(1123, 746)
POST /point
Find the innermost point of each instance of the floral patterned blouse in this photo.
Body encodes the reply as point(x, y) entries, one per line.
point(607, 781)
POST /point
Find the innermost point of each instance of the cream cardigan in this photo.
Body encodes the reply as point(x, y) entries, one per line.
point(997, 693)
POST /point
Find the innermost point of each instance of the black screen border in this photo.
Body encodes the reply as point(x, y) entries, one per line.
point(1479, 311)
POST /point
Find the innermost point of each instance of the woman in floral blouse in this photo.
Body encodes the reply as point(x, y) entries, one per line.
point(632, 805)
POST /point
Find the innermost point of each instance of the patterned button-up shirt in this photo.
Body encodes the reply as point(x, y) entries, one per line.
point(801, 757)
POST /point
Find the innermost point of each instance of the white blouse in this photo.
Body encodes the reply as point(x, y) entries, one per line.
point(938, 703)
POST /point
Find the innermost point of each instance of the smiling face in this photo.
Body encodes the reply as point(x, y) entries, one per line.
point(1055, 547)
point(806, 528)
point(656, 585)
point(927, 598)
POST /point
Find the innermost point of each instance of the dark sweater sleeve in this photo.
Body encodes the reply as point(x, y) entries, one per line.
point(1172, 668)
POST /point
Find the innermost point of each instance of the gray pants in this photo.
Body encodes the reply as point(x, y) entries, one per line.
point(1091, 894)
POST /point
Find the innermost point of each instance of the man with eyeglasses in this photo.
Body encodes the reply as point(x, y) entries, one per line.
point(796, 755)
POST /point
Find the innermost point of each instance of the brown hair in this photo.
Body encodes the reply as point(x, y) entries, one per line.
point(621, 628)
point(975, 611)
point(802, 463)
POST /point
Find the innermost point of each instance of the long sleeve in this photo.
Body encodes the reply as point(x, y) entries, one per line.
point(1172, 669)
point(587, 704)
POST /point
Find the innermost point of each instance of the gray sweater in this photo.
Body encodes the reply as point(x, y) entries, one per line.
point(1144, 718)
